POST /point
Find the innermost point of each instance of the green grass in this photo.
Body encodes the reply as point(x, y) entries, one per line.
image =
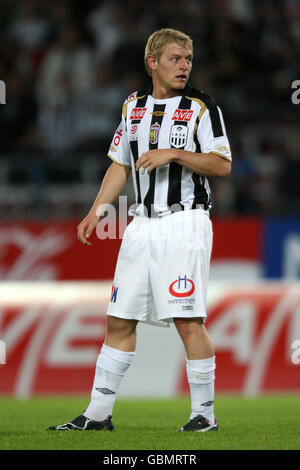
point(268, 422)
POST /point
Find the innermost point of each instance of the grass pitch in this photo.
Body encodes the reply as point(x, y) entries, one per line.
point(264, 423)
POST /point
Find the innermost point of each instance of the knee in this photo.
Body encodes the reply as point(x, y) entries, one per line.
point(120, 327)
point(188, 330)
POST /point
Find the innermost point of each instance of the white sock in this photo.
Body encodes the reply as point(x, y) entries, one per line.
point(110, 368)
point(201, 375)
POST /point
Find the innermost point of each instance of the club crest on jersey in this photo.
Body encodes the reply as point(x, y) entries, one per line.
point(178, 136)
point(154, 133)
point(182, 115)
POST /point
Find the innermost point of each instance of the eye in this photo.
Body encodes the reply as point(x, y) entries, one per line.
point(175, 59)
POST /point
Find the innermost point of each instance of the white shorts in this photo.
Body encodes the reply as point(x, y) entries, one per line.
point(163, 268)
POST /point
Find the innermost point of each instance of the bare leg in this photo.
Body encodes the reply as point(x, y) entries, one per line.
point(121, 333)
point(200, 368)
point(113, 361)
point(197, 342)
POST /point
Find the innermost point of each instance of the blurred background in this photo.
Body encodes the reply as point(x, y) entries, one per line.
point(67, 67)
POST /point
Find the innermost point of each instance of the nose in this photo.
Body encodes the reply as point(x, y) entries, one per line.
point(184, 64)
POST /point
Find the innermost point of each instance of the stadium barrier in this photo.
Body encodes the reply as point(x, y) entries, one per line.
point(52, 333)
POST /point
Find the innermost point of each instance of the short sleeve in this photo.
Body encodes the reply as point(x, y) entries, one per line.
point(119, 150)
point(211, 133)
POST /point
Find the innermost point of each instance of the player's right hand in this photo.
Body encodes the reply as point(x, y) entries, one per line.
point(86, 227)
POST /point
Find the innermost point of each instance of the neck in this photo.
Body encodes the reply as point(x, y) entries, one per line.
point(162, 92)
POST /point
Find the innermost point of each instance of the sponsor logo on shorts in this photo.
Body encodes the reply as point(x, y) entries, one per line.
point(114, 293)
point(182, 287)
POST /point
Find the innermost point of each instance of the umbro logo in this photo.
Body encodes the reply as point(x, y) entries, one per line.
point(158, 113)
point(105, 391)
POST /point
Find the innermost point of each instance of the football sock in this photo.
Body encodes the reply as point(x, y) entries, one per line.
point(110, 368)
point(201, 376)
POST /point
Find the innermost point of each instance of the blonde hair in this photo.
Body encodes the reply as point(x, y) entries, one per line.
point(159, 39)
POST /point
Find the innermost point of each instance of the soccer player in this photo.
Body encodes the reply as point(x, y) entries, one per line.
point(171, 137)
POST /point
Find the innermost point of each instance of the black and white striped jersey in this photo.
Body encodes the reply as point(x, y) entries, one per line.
point(190, 121)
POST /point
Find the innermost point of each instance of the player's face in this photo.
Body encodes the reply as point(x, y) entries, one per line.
point(174, 66)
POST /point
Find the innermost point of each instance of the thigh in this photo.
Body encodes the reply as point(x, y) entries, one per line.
point(120, 326)
point(131, 293)
point(179, 267)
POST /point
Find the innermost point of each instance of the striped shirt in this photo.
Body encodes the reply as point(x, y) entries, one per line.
point(190, 121)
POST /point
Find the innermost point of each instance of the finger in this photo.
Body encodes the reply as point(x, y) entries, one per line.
point(144, 167)
point(150, 168)
point(140, 161)
point(138, 164)
point(81, 235)
point(88, 232)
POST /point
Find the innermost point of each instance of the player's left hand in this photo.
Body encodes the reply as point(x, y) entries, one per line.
point(154, 158)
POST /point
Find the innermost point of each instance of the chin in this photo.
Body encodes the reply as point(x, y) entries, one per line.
point(179, 86)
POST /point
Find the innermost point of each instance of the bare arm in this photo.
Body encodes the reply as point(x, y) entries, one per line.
point(207, 164)
point(113, 182)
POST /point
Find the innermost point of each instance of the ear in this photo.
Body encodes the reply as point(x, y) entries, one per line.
point(152, 62)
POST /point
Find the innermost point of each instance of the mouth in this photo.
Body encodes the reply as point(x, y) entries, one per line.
point(181, 77)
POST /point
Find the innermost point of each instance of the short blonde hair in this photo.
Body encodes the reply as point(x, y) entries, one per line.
point(159, 39)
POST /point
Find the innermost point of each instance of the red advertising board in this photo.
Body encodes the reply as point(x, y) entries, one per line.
point(41, 251)
point(54, 333)
point(38, 251)
point(255, 331)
